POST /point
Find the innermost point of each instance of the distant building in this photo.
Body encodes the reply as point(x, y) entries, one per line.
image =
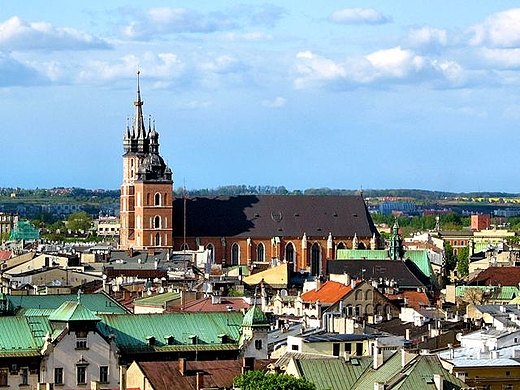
point(480, 222)
point(387, 207)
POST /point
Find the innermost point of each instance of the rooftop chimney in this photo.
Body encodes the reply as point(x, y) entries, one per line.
point(439, 381)
point(200, 381)
point(182, 366)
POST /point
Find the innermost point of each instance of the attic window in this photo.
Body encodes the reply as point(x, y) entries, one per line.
point(318, 229)
point(150, 340)
point(193, 339)
point(257, 215)
point(223, 338)
point(335, 214)
point(296, 214)
point(169, 340)
point(280, 229)
point(354, 215)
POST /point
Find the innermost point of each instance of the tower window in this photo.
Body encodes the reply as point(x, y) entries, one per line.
point(157, 199)
point(260, 252)
point(157, 222)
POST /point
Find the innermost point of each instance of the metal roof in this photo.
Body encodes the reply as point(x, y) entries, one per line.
point(337, 374)
point(133, 333)
point(97, 303)
point(72, 311)
point(157, 299)
point(22, 336)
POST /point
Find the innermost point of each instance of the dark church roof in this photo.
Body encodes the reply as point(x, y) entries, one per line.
point(273, 215)
point(395, 270)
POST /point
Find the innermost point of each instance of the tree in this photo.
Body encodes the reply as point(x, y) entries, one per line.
point(79, 221)
point(258, 380)
point(451, 259)
point(474, 296)
point(463, 262)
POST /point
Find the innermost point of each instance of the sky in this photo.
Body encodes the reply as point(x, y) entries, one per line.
point(338, 94)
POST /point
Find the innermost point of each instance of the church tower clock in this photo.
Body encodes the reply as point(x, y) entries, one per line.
point(146, 202)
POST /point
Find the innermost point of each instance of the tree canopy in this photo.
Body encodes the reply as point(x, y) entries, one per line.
point(257, 380)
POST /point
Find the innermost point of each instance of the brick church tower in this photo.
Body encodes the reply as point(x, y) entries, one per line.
point(146, 209)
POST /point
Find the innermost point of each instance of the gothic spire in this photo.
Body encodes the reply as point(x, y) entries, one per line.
point(139, 130)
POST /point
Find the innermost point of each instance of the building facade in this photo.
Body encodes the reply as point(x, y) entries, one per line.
point(304, 231)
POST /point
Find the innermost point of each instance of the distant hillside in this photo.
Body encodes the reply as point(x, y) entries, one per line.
point(80, 195)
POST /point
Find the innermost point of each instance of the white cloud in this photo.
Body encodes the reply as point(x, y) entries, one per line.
point(161, 65)
point(499, 30)
point(15, 73)
point(314, 68)
point(224, 64)
point(168, 20)
point(275, 103)
point(503, 58)
point(358, 16)
point(426, 36)
point(395, 65)
point(16, 34)
point(395, 62)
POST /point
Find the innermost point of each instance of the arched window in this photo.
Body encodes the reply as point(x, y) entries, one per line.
point(315, 259)
point(157, 199)
point(369, 309)
point(359, 295)
point(260, 252)
point(368, 295)
point(165, 198)
point(361, 245)
point(184, 247)
point(147, 198)
point(289, 253)
point(157, 222)
point(341, 245)
point(235, 254)
point(211, 255)
point(157, 239)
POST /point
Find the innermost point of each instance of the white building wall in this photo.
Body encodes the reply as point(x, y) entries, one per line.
point(65, 355)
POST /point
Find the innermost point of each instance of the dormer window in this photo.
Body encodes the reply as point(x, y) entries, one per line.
point(150, 340)
point(170, 340)
point(193, 339)
point(223, 338)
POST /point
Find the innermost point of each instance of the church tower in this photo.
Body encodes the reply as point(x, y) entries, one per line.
point(146, 202)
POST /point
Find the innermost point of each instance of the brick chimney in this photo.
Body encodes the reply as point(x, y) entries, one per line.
point(200, 381)
point(182, 366)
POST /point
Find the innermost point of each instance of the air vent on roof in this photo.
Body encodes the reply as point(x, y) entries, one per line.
point(318, 229)
point(280, 229)
point(257, 215)
point(296, 214)
point(354, 215)
point(335, 214)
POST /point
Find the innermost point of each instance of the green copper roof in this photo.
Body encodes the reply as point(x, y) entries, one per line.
point(503, 293)
point(333, 373)
point(158, 299)
point(22, 336)
point(134, 332)
point(24, 231)
point(366, 254)
point(97, 303)
point(255, 317)
point(73, 311)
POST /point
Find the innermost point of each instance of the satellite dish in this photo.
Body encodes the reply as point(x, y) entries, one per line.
point(458, 336)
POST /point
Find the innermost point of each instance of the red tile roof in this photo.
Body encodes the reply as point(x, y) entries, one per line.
point(329, 293)
point(494, 276)
point(216, 374)
point(414, 299)
point(5, 255)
